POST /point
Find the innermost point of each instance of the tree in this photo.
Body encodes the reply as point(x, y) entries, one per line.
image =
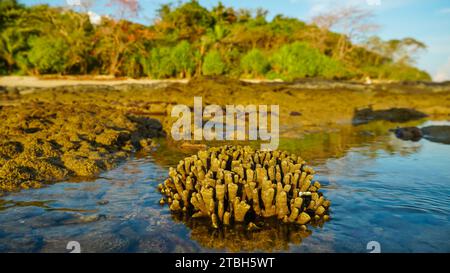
point(14, 32)
point(160, 63)
point(48, 56)
point(213, 64)
point(188, 21)
point(124, 8)
point(12, 41)
point(188, 39)
point(223, 15)
point(254, 63)
point(353, 22)
point(403, 51)
point(73, 27)
point(8, 9)
point(298, 60)
point(183, 58)
point(117, 41)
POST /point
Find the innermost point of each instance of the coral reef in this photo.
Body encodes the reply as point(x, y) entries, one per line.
point(235, 184)
point(91, 124)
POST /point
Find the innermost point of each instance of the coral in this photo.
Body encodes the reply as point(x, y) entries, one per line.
point(233, 184)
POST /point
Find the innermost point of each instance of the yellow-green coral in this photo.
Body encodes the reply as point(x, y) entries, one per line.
point(235, 184)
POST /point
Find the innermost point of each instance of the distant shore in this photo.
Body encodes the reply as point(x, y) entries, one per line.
point(48, 82)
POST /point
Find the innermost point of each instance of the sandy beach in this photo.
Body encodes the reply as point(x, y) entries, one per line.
point(49, 82)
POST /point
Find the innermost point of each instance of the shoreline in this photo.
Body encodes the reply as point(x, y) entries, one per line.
point(42, 82)
point(51, 81)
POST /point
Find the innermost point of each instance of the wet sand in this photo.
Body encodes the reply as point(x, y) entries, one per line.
point(48, 82)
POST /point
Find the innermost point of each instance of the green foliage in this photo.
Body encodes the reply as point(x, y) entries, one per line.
point(161, 64)
point(254, 63)
point(187, 21)
point(47, 55)
point(189, 39)
point(6, 7)
point(396, 72)
point(298, 60)
point(213, 64)
point(183, 58)
point(167, 62)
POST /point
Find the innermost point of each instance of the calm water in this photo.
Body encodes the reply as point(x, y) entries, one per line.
point(382, 189)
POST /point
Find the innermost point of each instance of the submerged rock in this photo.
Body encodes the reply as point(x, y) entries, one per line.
point(434, 133)
point(233, 184)
point(408, 133)
point(437, 133)
point(367, 115)
point(84, 219)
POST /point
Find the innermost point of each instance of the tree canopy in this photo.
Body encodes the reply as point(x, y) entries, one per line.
point(187, 40)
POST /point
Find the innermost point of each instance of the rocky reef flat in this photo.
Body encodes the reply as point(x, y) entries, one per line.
point(58, 132)
point(42, 142)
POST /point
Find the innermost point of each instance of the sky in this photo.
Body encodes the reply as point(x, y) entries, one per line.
point(428, 21)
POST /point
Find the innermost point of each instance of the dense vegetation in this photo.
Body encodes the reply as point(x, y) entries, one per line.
point(189, 40)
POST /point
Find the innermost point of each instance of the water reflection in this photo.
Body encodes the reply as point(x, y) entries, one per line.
point(268, 235)
point(382, 188)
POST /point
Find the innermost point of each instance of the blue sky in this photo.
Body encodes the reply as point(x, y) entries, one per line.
point(427, 21)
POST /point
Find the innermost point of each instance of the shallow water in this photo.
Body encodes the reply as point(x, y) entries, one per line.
point(382, 189)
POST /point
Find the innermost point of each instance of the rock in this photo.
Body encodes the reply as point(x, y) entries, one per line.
point(408, 133)
point(295, 114)
point(97, 242)
point(102, 202)
point(84, 219)
point(434, 133)
point(49, 141)
point(437, 133)
point(367, 115)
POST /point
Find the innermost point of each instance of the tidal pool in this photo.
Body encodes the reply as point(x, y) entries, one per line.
point(382, 189)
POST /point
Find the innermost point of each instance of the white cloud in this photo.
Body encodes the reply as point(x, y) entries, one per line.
point(94, 18)
point(73, 2)
point(443, 72)
point(445, 10)
point(320, 6)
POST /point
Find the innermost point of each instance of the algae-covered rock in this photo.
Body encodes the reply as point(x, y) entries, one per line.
point(363, 116)
point(81, 166)
point(232, 184)
point(434, 133)
point(43, 142)
point(437, 133)
point(10, 149)
point(111, 137)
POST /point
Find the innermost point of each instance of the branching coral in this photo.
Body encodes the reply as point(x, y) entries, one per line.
point(238, 184)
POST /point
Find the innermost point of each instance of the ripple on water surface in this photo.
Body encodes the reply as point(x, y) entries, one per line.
point(382, 189)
